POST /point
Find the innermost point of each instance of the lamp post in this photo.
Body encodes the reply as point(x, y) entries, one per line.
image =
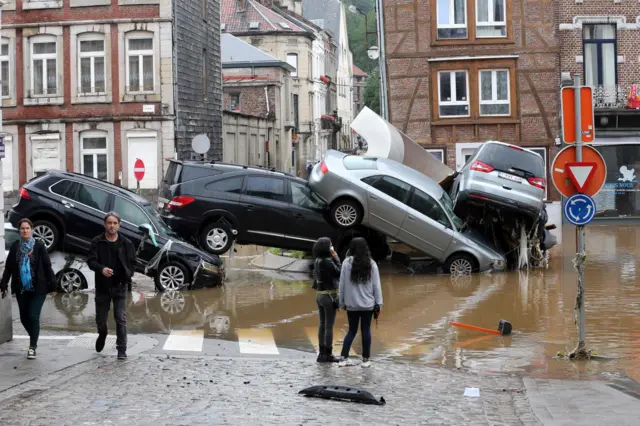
point(372, 51)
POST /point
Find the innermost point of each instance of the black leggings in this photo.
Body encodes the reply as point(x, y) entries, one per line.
point(364, 317)
point(30, 306)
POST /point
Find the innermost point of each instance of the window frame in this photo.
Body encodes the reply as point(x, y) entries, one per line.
point(231, 105)
point(246, 193)
point(91, 55)
point(45, 57)
point(599, 43)
point(373, 179)
point(440, 150)
point(452, 8)
point(471, 25)
point(140, 35)
point(453, 88)
point(94, 152)
point(294, 74)
point(5, 58)
point(491, 22)
point(494, 92)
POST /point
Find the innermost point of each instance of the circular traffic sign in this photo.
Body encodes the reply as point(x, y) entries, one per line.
point(580, 209)
point(138, 169)
point(561, 177)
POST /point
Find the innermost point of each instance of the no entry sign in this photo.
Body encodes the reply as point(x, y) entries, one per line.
point(138, 169)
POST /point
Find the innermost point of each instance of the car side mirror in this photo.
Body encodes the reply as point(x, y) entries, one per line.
point(147, 231)
point(144, 230)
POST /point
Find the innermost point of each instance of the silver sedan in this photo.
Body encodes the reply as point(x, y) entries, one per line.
point(403, 204)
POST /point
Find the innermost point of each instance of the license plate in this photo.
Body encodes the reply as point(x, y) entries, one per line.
point(512, 178)
point(160, 205)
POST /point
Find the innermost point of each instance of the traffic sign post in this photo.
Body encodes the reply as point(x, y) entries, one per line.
point(138, 173)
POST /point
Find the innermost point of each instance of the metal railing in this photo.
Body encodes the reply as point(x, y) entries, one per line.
point(611, 97)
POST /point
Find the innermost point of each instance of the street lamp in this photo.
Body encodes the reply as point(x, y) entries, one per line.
point(372, 51)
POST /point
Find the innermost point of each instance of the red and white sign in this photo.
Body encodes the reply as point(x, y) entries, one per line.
point(138, 169)
point(580, 173)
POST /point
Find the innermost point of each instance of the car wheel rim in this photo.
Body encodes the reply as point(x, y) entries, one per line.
point(217, 239)
point(346, 215)
point(461, 267)
point(172, 302)
point(45, 234)
point(172, 278)
point(70, 282)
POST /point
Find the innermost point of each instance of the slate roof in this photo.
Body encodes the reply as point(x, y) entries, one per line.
point(240, 54)
point(325, 14)
point(268, 20)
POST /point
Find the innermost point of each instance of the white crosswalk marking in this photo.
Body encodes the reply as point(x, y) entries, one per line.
point(184, 341)
point(257, 341)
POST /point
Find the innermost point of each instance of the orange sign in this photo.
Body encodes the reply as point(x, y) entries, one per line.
point(561, 174)
point(569, 114)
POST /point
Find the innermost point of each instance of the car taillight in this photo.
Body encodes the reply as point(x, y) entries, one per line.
point(519, 148)
point(479, 166)
point(323, 168)
point(24, 194)
point(179, 201)
point(538, 182)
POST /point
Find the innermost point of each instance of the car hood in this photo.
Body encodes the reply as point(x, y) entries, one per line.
point(182, 247)
point(479, 238)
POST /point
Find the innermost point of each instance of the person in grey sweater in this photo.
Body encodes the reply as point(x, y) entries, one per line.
point(359, 294)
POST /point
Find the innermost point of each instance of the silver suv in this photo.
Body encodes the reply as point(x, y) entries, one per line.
point(401, 203)
point(502, 176)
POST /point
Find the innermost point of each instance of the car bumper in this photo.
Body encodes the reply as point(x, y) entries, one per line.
point(483, 198)
point(183, 227)
point(207, 278)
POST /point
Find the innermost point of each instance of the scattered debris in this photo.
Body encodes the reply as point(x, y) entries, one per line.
point(504, 328)
point(343, 393)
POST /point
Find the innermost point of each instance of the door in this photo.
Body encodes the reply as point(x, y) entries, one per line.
point(308, 221)
point(426, 227)
point(265, 210)
point(144, 148)
point(7, 165)
point(45, 153)
point(464, 152)
point(132, 216)
point(386, 203)
point(84, 209)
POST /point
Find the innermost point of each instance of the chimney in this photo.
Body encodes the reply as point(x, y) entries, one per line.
point(241, 5)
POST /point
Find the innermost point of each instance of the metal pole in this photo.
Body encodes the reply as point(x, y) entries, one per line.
point(579, 229)
point(366, 30)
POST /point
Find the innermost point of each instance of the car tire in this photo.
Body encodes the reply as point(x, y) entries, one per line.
point(48, 233)
point(346, 213)
point(216, 238)
point(70, 280)
point(460, 264)
point(172, 276)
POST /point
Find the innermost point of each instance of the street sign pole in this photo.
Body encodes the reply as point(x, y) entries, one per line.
point(580, 349)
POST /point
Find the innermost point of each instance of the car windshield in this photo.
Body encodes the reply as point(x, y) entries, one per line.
point(447, 204)
point(155, 216)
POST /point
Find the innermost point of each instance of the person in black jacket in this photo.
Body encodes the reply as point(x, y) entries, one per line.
point(29, 267)
point(112, 258)
point(327, 275)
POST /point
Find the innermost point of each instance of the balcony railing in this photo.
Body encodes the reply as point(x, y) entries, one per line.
point(615, 97)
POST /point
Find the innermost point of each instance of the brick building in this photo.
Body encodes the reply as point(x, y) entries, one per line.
point(461, 72)
point(91, 85)
point(601, 42)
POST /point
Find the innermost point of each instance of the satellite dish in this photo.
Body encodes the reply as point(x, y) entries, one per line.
point(373, 52)
point(201, 144)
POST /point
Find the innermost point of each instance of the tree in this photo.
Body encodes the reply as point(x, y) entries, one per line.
point(358, 33)
point(372, 91)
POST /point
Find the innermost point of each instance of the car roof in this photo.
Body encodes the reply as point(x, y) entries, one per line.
point(220, 164)
point(97, 182)
point(509, 145)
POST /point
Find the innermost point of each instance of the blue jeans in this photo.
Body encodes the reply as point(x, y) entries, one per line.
point(30, 306)
point(327, 313)
point(364, 318)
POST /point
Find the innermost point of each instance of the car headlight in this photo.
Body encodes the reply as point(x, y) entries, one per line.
point(209, 267)
point(498, 264)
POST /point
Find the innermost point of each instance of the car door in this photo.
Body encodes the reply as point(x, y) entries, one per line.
point(265, 210)
point(132, 216)
point(426, 227)
point(386, 202)
point(308, 221)
point(85, 207)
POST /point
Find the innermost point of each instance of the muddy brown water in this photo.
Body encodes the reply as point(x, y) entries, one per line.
point(415, 324)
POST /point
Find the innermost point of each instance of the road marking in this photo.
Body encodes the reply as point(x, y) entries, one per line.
point(257, 341)
point(47, 337)
point(184, 341)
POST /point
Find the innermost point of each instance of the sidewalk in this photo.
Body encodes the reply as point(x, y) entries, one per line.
point(71, 384)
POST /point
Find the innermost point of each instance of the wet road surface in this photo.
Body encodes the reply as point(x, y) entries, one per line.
point(415, 324)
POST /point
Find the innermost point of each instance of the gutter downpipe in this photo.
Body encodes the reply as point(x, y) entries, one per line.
point(382, 61)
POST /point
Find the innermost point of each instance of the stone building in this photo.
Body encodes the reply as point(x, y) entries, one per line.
point(91, 85)
point(461, 72)
point(601, 41)
point(359, 83)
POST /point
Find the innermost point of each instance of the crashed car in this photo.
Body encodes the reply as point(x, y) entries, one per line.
point(403, 204)
point(68, 210)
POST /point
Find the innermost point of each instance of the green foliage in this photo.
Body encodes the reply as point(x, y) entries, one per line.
point(358, 34)
point(372, 91)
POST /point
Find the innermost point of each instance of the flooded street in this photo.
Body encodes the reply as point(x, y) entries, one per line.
point(415, 324)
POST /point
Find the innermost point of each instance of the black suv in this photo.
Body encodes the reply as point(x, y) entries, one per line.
point(68, 209)
point(216, 204)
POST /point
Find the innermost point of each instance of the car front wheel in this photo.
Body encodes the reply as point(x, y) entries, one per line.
point(172, 276)
point(460, 264)
point(346, 213)
point(216, 238)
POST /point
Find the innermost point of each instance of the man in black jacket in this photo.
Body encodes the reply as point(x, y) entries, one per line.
point(112, 258)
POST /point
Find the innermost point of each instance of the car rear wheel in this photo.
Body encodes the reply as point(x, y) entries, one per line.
point(46, 232)
point(216, 238)
point(346, 213)
point(460, 264)
point(172, 276)
point(70, 280)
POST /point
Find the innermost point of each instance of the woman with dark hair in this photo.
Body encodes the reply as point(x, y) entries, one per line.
point(327, 273)
point(360, 294)
point(29, 267)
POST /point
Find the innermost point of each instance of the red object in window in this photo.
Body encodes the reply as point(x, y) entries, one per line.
point(24, 194)
point(479, 166)
point(538, 182)
point(179, 201)
point(324, 79)
point(323, 168)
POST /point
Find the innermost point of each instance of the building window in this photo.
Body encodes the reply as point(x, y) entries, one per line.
point(452, 19)
point(292, 59)
point(92, 67)
point(44, 66)
point(94, 155)
point(140, 63)
point(5, 76)
point(452, 87)
point(296, 115)
point(491, 18)
point(437, 153)
point(204, 74)
point(234, 102)
point(600, 54)
point(494, 92)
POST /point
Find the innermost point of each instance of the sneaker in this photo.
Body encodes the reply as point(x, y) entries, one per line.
point(365, 363)
point(102, 338)
point(31, 354)
point(122, 355)
point(347, 362)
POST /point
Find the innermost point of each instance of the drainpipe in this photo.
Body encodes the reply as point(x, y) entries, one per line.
point(384, 105)
point(266, 98)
